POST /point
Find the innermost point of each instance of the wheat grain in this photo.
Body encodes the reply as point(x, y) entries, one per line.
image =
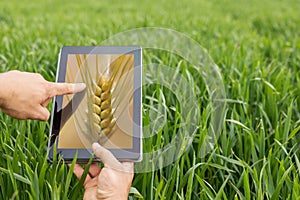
point(102, 107)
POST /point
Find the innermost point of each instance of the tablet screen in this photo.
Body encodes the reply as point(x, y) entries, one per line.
point(117, 71)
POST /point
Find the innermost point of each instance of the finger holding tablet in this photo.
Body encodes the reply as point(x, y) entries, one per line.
point(110, 161)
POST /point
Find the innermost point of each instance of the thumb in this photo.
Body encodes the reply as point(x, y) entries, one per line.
point(44, 114)
point(58, 89)
point(107, 158)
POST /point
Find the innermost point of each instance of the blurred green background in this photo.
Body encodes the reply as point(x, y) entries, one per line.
point(256, 45)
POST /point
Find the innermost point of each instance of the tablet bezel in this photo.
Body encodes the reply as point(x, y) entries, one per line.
point(133, 154)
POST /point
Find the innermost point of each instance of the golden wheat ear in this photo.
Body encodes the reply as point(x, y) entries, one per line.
point(104, 105)
point(104, 121)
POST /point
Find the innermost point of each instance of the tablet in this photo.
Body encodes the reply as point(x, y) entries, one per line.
point(108, 111)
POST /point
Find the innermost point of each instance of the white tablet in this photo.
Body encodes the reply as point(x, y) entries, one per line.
point(108, 111)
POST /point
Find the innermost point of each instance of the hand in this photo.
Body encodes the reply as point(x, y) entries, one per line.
point(25, 95)
point(113, 181)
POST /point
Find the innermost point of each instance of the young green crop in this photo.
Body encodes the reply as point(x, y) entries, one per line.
point(256, 45)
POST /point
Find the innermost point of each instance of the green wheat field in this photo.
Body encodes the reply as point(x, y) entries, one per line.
point(256, 45)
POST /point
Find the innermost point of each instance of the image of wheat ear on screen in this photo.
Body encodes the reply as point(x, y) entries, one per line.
point(104, 115)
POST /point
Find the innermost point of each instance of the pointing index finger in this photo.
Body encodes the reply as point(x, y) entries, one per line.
point(58, 89)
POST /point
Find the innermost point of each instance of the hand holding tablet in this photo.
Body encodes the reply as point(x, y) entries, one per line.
point(108, 111)
point(113, 180)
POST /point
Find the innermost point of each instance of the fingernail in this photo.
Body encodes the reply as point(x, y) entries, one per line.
point(95, 145)
point(79, 86)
